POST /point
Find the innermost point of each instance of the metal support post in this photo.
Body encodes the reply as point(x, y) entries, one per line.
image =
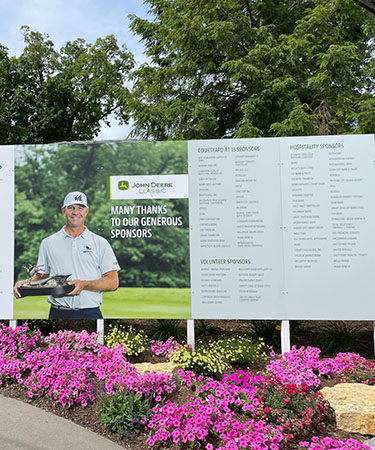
point(190, 332)
point(100, 330)
point(13, 324)
point(285, 336)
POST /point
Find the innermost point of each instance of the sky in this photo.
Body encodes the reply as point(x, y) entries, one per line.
point(67, 20)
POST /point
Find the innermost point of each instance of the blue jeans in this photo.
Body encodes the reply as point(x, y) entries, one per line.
point(85, 313)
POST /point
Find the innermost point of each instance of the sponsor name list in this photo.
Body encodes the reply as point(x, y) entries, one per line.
point(234, 221)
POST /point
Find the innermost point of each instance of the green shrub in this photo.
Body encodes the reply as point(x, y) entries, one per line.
point(296, 408)
point(204, 328)
point(135, 341)
point(203, 360)
point(124, 413)
point(362, 372)
point(163, 329)
point(241, 350)
point(43, 325)
point(298, 327)
point(215, 357)
point(340, 336)
point(268, 330)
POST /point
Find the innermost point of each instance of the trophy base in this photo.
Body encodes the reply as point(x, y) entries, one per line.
point(57, 291)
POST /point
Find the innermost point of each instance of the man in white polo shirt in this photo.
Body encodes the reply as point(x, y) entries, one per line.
point(88, 257)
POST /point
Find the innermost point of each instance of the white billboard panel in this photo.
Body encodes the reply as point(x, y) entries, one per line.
point(6, 230)
point(235, 229)
point(328, 185)
point(294, 243)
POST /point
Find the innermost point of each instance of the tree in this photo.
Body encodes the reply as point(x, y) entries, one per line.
point(248, 68)
point(48, 96)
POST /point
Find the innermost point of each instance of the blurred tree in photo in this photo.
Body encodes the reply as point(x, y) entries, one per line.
point(49, 96)
point(239, 68)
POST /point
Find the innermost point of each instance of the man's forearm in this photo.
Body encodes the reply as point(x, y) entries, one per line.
point(103, 284)
point(108, 282)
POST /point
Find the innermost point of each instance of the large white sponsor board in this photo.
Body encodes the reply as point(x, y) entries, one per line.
point(283, 228)
point(6, 231)
point(279, 228)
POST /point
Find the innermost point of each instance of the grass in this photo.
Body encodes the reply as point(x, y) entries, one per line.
point(125, 303)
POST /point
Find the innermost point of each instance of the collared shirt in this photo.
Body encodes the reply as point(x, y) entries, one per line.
point(86, 257)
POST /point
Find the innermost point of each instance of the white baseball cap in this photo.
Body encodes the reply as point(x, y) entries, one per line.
point(75, 198)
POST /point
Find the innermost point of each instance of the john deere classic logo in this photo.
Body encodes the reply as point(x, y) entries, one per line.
point(123, 185)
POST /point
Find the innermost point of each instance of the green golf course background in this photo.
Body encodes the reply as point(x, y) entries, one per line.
point(139, 303)
point(155, 271)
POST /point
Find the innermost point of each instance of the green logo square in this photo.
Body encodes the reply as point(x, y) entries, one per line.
point(123, 185)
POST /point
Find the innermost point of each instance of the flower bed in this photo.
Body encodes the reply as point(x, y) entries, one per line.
point(278, 408)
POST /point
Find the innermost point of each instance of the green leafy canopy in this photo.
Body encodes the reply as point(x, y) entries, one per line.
point(240, 68)
point(49, 96)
